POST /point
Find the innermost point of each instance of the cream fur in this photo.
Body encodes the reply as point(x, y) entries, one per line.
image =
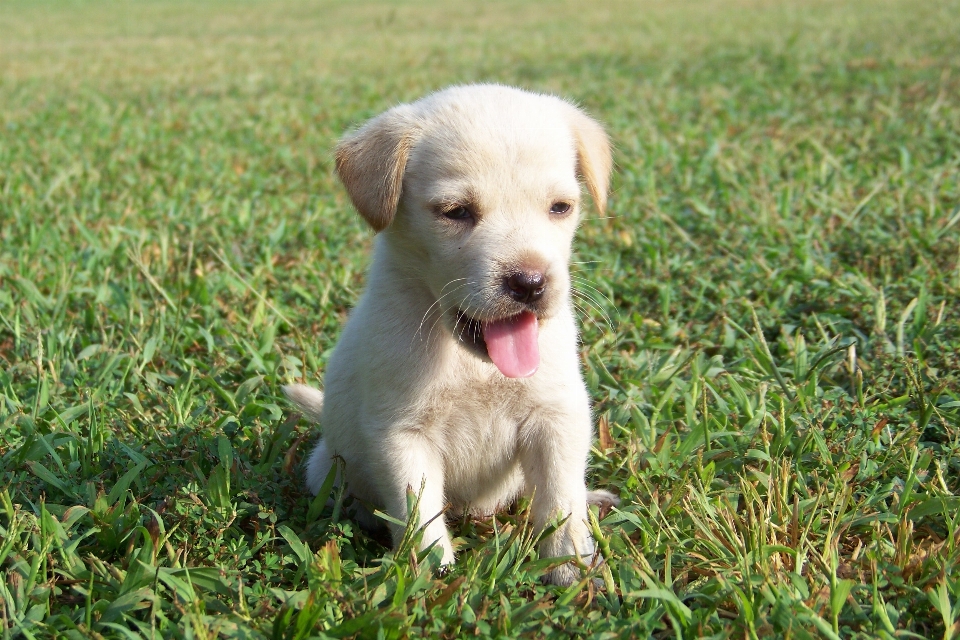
point(407, 402)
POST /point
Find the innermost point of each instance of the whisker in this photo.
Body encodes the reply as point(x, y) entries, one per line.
point(437, 301)
point(463, 303)
point(433, 326)
point(581, 284)
point(584, 284)
point(586, 319)
point(589, 302)
point(488, 304)
point(592, 304)
point(582, 315)
point(592, 298)
point(589, 284)
point(431, 308)
point(595, 306)
point(439, 317)
point(587, 308)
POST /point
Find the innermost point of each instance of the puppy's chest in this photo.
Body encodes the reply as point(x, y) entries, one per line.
point(480, 420)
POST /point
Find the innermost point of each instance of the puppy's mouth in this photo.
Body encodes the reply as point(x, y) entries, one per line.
point(511, 343)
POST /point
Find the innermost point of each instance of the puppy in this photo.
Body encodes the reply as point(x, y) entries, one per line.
point(457, 374)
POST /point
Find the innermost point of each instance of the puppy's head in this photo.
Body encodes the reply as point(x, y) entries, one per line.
point(478, 190)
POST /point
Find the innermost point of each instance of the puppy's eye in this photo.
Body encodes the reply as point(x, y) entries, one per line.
point(459, 213)
point(560, 208)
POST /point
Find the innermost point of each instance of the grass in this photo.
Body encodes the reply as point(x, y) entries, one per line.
point(771, 330)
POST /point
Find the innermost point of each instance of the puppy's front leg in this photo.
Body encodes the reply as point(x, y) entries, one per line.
point(553, 455)
point(416, 464)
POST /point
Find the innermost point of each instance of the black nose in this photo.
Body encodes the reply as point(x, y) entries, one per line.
point(526, 286)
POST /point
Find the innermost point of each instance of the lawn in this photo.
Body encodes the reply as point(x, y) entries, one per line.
point(770, 325)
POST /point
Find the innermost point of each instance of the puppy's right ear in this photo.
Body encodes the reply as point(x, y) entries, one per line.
point(371, 162)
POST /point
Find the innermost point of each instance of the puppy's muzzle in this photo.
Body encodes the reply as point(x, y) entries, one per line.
point(526, 286)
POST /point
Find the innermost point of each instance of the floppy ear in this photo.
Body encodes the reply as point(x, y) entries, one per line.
point(371, 162)
point(594, 157)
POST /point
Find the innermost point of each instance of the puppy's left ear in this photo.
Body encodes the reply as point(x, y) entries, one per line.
point(371, 163)
point(594, 156)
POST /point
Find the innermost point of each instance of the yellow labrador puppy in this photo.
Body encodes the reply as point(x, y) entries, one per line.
point(458, 370)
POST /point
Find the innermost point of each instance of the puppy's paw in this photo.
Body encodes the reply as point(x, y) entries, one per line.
point(563, 576)
point(449, 558)
point(572, 539)
point(603, 499)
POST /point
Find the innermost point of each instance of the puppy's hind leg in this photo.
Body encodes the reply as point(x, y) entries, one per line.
point(321, 460)
point(310, 402)
point(318, 467)
point(318, 470)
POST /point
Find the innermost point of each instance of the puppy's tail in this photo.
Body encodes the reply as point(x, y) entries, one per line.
point(307, 399)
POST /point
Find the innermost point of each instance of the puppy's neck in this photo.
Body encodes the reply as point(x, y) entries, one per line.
point(397, 271)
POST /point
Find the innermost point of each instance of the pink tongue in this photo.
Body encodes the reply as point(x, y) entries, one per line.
point(512, 345)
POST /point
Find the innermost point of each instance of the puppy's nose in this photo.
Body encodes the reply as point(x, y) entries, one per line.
point(526, 286)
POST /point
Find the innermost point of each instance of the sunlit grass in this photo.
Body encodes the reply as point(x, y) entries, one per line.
point(769, 317)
